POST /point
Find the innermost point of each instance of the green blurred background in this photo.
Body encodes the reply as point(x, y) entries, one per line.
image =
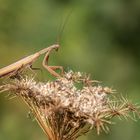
point(101, 37)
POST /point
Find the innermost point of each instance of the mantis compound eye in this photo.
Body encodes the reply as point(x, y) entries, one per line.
point(57, 47)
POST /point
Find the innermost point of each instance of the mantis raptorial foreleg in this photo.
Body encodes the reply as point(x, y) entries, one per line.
point(51, 69)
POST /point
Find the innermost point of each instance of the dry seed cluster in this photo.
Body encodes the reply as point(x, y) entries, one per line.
point(72, 105)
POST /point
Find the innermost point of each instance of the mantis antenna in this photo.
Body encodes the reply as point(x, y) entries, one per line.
point(62, 27)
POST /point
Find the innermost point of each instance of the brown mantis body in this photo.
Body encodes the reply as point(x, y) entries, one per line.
point(17, 67)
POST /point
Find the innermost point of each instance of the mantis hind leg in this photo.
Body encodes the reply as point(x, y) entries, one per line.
point(51, 69)
point(15, 74)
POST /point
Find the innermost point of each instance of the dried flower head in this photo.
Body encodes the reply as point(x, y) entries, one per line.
point(72, 105)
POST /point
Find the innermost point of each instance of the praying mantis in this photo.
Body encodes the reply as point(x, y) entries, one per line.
point(16, 68)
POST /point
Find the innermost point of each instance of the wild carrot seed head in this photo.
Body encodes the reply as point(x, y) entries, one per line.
point(65, 111)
